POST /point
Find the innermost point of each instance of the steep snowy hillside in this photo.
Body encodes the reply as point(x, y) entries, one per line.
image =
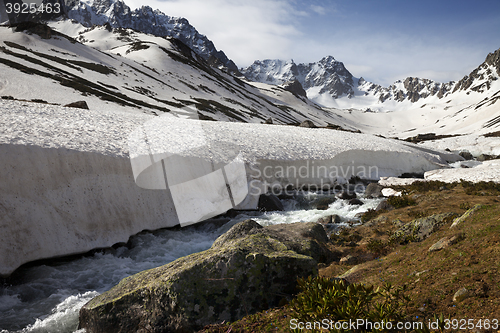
point(117, 68)
point(118, 15)
point(469, 106)
point(133, 71)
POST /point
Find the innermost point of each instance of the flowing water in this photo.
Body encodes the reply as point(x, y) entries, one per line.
point(47, 297)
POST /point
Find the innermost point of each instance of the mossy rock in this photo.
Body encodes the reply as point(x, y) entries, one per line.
point(248, 269)
point(419, 229)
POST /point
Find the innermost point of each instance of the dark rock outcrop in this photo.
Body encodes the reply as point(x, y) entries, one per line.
point(42, 30)
point(248, 269)
point(269, 121)
point(294, 87)
point(323, 203)
point(307, 124)
point(348, 194)
point(269, 202)
point(373, 190)
point(384, 205)
point(485, 157)
point(466, 155)
point(79, 104)
point(356, 202)
point(419, 229)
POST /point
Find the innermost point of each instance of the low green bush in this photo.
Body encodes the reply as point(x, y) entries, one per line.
point(401, 201)
point(371, 214)
point(480, 188)
point(377, 246)
point(336, 300)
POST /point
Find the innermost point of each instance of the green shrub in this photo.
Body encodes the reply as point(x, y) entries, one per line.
point(416, 214)
point(433, 185)
point(481, 188)
point(401, 201)
point(336, 300)
point(371, 214)
point(377, 246)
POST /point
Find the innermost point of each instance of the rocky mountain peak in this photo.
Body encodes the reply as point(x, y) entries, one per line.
point(118, 15)
point(493, 59)
point(328, 60)
point(480, 79)
point(294, 87)
point(328, 73)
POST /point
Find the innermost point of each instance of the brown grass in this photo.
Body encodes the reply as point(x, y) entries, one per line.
point(432, 277)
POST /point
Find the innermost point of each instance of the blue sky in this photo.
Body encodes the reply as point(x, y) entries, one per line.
point(380, 40)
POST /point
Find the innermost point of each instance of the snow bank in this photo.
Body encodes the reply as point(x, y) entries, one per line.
point(486, 171)
point(473, 143)
point(68, 186)
point(66, 183)
point(394, 181)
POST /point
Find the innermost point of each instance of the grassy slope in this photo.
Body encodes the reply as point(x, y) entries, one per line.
point(432, 277)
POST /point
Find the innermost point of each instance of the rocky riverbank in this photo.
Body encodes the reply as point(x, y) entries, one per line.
point(253, 268)
point(248, 269)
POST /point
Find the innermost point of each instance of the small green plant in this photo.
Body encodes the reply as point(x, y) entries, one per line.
point(416, 214)
point(336, 300)
point(465, 206)
point(426, 186)
point(400, 237)
point(401, 201)
point(370, 214)
point(480, 188)
point(377, 246)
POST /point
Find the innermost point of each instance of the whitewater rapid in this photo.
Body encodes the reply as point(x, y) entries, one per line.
point(46, 298)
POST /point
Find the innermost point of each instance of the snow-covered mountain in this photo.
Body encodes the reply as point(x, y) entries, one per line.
point(135, 72)
point(330, 84)
point(118, 68)
point(328, 74)
point(118, 15)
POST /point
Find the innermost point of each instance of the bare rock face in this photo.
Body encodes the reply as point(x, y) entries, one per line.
point(419, 229)
point(39, 29)
point(294, 87)
point(79, 104)
point(373, 190)
point(248, 269)
point(446, 242)
point(307, 124)
point(269, 203)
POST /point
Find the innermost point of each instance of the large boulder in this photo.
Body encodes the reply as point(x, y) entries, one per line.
point(248, 269)
point(374, 190)
point(269, 203)
point(307, 124)
point(419, 229)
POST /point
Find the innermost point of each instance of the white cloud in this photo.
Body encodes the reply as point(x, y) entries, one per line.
point(385, 58)
point(318, 9)
point(244, 30)
point(285, 29)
